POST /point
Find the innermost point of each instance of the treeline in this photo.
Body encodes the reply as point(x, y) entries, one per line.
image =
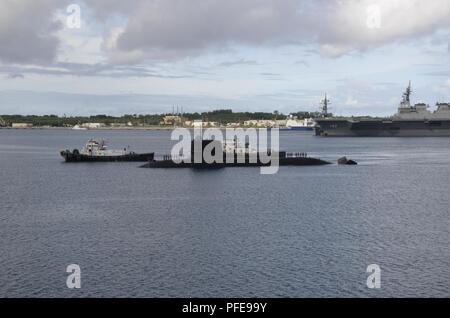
point(222, 116)
point(225, 116)
point(57, 121)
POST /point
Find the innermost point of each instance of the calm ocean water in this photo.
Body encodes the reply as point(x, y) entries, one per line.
point(305, 231)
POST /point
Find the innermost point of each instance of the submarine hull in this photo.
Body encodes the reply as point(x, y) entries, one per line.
point(287, 161)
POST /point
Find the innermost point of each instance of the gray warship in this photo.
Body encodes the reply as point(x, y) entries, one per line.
point(409, 121)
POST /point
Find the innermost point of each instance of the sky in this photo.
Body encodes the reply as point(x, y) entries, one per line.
point(115, 57)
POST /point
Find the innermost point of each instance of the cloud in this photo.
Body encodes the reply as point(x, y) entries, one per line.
point(175, 29)
point(117, 56)
point(351, 27)
point(15, 75)
point(40, 103)
point(302, 62)
point(154, 30)
point(443, 90)
point(444, 73)
point(89, 70)
point(350, 101)
point(238, 62)
point(27, 31)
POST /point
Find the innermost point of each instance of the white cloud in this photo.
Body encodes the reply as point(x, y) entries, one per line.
point(351, 101)
point(399, 20)
point(231, 49)
point(176, 29)
point(168, 29)
point(117, 56)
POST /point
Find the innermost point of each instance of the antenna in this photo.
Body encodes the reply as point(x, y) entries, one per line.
point(408, 92)
point(406, 96)
point(325, 102)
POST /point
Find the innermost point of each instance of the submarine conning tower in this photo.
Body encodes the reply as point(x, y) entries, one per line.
point(198, 147)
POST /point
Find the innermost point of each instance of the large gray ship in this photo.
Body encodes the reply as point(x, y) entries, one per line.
point(410, 121)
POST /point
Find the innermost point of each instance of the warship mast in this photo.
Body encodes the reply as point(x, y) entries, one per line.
point(325, 103)
point(406, 102)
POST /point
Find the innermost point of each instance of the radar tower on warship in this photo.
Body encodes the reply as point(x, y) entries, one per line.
point(409, 121)
point(325, 102)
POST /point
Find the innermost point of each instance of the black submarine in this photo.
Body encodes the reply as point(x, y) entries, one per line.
point(235, 158)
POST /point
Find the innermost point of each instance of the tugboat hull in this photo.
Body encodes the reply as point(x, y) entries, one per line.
point(77, 157)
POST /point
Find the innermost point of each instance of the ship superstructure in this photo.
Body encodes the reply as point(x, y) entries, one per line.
point(409, 121)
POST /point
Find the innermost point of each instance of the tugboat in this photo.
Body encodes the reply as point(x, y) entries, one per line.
point(96, 150)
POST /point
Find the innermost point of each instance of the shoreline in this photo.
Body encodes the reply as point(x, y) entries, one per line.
point(102, 128)
point(130, 128)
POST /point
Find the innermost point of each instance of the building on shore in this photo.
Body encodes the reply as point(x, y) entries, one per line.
point(172, 120)
point(204, 124)
point(93, 125)
point(280, 123)
point(21, 125)
point(117, 125)
point(199, 124)
point(261, 123)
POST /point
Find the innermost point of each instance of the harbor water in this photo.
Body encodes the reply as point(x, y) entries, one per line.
point(303, 232)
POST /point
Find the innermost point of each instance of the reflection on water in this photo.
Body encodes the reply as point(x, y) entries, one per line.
point(305, 231)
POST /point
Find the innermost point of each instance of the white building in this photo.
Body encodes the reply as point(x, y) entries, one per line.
point(260, 123)
point(172, 120)
point(199, 124)
point(93, 125)
point(21, 125)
